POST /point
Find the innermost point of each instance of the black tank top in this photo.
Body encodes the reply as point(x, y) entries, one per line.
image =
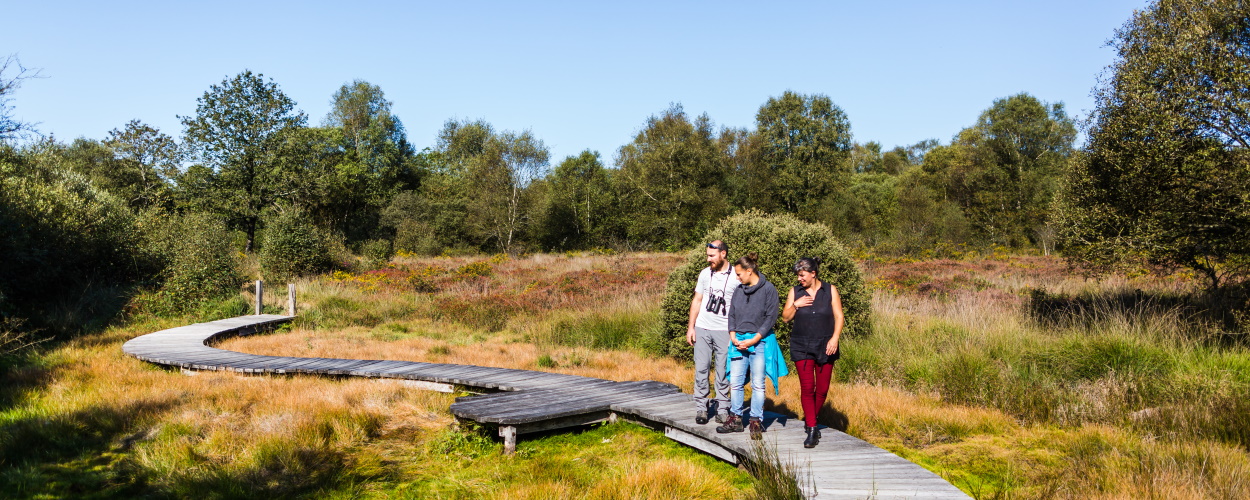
point(813, 326)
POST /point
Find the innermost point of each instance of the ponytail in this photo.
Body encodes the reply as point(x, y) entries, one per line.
point(748, 261)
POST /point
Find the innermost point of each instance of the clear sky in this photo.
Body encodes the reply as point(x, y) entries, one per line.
point(580, 75)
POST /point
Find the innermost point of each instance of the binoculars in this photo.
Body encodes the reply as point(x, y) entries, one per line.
point(716, 304)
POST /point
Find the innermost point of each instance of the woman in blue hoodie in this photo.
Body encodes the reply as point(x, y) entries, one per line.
point(752, 314)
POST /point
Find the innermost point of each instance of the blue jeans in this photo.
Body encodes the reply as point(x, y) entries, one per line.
point(737, 379)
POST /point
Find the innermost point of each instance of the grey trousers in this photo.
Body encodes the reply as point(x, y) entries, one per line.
point(710, 348)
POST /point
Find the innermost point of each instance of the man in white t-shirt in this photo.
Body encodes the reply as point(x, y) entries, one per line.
point(708, 332)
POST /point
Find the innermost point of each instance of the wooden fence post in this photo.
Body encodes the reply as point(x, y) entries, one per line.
point(290, 299)
point(260, 297)
point(508, 433)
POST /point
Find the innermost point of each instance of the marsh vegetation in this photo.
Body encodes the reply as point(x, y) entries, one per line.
point(959, 375)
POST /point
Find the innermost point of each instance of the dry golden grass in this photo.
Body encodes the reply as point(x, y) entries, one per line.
point(105, 423)
point(976, 306)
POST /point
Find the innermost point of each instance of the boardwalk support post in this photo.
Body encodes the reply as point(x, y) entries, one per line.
point(260, 297)
point(290, 299)
point(508, 433)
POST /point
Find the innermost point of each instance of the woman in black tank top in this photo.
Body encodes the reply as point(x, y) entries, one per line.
point(816, 309)
point(813, 325)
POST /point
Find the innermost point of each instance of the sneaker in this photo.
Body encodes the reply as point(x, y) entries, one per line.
point(732, 424)
point(757, 429)
point(700, 417)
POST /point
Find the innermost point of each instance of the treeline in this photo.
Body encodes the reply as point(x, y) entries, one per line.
point(680, 175)
point(248, 156)
point(248, 173)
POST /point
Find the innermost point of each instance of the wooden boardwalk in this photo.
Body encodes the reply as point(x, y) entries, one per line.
point(528, 401)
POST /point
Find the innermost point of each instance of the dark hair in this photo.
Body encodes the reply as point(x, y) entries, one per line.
point(809, 264)
point(748, 261)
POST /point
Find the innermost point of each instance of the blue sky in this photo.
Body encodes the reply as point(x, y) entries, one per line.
point(580, 75)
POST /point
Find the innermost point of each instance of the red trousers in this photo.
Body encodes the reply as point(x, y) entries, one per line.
point(813, 387)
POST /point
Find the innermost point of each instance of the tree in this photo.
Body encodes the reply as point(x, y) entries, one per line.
point(580, 204)
point(1004, 170)
point(149, 157)
point(12, 74)
point(500, 176)
point(476, 191)
point(672, 180)
point(236, 123)
point(377, 161)
point(434, 217)
point(1166, 170)
point(806, 142)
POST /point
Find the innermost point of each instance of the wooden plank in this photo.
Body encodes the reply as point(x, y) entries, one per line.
point(658, 400)
point(531, 413)
point(564, 422)
point(701, 444)
point(677, 409)
point(296, 363)
point(538, 414)
point(375, 368)
point(390, 368)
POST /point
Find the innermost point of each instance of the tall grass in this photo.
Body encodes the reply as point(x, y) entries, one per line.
point(959, 377)
point(1128, 368)
point(89, 421)
point(774, 478)
point(80, 419)
point(1099, 399)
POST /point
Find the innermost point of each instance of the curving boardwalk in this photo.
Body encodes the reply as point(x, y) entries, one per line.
point(530, 401)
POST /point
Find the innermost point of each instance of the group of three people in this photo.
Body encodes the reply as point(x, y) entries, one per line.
point(731, 324)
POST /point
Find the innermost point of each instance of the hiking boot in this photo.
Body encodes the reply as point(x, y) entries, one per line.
point(720, 417)
point(757, 429)
point(700, 417)
point(732, 424)
point(813, 437)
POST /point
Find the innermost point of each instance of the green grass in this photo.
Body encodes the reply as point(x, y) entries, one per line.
point(602, 329)
point(1123, 403)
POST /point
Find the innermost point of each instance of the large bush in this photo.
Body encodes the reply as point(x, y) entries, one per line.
point(779, 240)
point(62, 239)
point(197, 259)
point(291, 247)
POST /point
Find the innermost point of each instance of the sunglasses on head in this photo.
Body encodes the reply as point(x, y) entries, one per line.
point(720, 246)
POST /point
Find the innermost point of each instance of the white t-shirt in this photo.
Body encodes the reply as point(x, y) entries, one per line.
point(717, 286)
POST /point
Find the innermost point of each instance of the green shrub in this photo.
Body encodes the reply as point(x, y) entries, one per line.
point(779, 240)
point(418, 238)
point(377, 252)
point(197, 259)
point(64, 243)
point(292, 247)
point(476, 269)
point(545, 361)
